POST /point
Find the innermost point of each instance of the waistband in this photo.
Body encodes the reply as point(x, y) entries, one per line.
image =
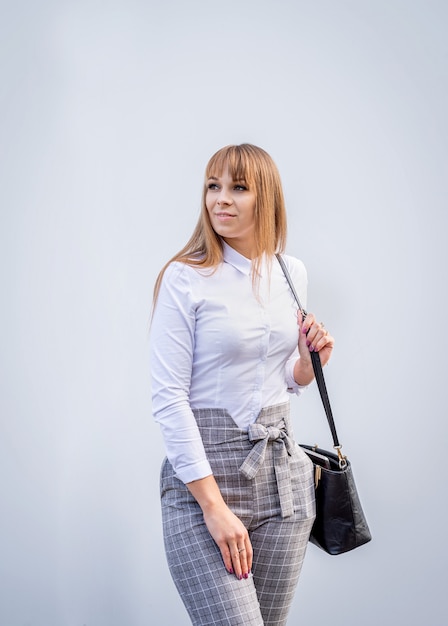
point(272, 427)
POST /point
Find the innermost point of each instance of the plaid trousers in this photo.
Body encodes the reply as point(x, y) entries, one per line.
point(268, 482)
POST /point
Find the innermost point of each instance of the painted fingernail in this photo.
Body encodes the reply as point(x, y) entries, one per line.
point(311, 349)
point(240, 577)
point(308, 343)
point(246, 576)
point(230, 570)
point(304, 330)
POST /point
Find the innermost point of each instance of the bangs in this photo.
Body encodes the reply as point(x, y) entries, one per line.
point(236, 160)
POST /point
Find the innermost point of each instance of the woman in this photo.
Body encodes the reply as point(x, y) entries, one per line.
point(227, 347)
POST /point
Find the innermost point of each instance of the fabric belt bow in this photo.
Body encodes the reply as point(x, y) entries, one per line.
point(283, 447)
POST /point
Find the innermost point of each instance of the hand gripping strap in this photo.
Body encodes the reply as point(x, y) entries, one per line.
point(317, 366)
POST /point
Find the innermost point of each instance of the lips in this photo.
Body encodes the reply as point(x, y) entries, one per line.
point(224, 215)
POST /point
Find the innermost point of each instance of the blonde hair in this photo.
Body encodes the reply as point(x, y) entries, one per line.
point(253, 165)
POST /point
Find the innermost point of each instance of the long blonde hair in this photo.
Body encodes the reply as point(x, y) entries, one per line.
point(253, 165)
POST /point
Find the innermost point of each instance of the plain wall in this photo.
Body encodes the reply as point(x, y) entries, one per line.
point(109, 112)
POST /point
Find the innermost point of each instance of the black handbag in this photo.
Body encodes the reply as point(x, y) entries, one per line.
point(340, 523)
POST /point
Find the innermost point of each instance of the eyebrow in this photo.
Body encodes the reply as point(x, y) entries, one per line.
point(238, 180)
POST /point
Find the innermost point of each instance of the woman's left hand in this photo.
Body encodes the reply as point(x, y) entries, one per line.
point(313, 337)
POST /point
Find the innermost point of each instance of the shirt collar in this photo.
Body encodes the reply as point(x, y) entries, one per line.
point(237, 260)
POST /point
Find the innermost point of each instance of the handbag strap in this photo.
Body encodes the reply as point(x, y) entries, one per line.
point(317, 367)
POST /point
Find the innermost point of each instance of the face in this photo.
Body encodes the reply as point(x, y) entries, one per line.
point(231, 208)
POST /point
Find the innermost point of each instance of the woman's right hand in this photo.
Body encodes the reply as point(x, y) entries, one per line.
point(227, 530)
point(232, 539)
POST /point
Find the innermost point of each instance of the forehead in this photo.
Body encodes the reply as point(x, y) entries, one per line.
point(232, 164)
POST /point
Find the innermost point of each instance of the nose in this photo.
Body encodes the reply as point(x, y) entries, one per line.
point(224, 198)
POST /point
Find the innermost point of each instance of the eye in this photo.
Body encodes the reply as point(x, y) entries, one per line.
point(240, 188)
point(212, 186)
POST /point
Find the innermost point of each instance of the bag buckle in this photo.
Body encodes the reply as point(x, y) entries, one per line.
point(341, 457)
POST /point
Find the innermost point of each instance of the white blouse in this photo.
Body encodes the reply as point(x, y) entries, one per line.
point(216, 344)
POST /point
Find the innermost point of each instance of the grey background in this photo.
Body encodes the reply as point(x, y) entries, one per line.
point(108, 114)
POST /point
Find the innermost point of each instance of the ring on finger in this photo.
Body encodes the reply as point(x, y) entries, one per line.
point(241, 550)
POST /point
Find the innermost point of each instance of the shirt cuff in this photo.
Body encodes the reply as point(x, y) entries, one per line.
point(199, 470)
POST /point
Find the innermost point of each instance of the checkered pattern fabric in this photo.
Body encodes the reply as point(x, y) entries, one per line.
point(272, 491)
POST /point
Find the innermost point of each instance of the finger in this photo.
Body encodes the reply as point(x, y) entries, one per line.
point(242, 553)
point(316, 333)
point(315, 336)
point(307, 323)
point(237, 561)
point(324, 340)
point(249, 554)
point(245, 554)
point(325, 351)
point(305, 328)
point(312, 336)
point(227, 558)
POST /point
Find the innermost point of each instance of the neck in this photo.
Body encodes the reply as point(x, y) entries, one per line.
point(245, 248)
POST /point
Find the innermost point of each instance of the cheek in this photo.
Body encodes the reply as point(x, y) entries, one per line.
point(251, 208)
point(208, 201)
point(251, 212)
point(209, 208)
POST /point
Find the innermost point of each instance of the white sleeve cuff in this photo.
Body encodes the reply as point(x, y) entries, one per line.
point(197, 471)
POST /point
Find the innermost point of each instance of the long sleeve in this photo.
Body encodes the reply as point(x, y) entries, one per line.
point(171, 356)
